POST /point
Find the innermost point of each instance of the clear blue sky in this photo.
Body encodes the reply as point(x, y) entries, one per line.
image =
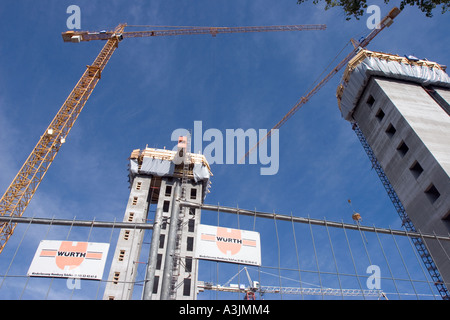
point(153, 86)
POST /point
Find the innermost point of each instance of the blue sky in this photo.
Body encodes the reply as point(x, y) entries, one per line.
point(153, 86)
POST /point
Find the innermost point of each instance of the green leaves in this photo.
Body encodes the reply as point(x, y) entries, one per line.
point(356, 8)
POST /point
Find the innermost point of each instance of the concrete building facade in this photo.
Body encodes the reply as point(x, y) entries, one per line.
point(184, 265)
point(402, 107)
point(159, 180)
point(123, 270)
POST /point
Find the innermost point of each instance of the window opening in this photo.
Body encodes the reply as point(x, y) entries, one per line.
point(116, 277)
point(166, 205)
point(190, 244)
point(193, 193)
point(432, 193)
point(416, 169)
point(188, 264)
point(168, 191)
point(121, 255)
point(402, 148)
point(187, 287)
point(191, 225)
point(155, 284)
point(390, 131)
point(379, 115)
point(370, 101)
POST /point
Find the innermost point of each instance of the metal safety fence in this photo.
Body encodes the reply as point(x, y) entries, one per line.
point(302, 258)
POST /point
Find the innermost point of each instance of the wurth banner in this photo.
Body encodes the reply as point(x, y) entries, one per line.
point(69, 259)
point(228, 245)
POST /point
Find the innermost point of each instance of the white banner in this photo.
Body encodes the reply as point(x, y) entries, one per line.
point(69, 259)
point(228, 245)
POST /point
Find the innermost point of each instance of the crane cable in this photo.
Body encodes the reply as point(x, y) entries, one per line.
point(159, 26)
point(292, 111)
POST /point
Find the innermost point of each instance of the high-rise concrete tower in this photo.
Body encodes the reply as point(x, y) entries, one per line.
point(401, 105)
point(159, 180)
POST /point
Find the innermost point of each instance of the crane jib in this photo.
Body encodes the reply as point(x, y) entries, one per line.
point(78, 36)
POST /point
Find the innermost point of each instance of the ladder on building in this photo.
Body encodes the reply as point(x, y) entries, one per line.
point(406, 221)
point(186, 164)
point(180, 223)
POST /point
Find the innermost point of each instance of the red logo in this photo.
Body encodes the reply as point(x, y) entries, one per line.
point(228, 241)
point(70, 254)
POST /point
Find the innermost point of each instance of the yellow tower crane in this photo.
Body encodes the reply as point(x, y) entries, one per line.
point(387, 21)
point(18, 195)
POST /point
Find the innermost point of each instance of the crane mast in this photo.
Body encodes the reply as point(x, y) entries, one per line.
point(18, 195)
point(21, 190)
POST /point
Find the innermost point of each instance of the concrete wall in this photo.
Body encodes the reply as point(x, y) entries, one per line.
point(129, 243)
point(421, 135)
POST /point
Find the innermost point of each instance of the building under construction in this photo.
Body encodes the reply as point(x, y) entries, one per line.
point(399, 107)
point(159, 179)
